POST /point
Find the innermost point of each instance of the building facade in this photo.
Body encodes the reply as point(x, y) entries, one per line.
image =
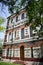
point(19, 42)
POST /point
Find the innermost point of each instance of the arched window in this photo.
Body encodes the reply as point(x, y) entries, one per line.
point(10, 36)
point(22, 17)
point(16, 18)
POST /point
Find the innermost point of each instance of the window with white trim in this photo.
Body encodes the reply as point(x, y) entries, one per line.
point(36, 52)
point(17, 34)
point(22, 16)
point(11, 24)
point(10, 36)
point(17, 19)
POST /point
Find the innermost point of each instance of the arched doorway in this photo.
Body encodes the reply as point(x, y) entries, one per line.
point(22, 53)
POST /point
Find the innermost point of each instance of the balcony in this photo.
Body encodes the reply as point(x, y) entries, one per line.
point(23, 40)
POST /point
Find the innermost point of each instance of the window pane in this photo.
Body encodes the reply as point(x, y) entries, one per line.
point(15, 34)
point(22, 33)
point(22, 17)
point(16, 18)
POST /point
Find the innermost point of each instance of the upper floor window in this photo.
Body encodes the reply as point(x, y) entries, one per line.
point(22, 33)
point(10, 33)
point(10, 36)
point(17, 34)
point(12, 21)
point(16, 18)
point(22, 17)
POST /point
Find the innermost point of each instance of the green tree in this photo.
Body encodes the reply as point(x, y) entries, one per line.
point(11, 5)
point(2, 20)
point(34, 10)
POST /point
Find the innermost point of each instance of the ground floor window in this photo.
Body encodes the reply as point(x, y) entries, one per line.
point(36, 52)
point(16, 52)
point(7, 52)
point(27, 52)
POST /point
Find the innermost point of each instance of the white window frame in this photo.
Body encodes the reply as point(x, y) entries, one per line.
point(17, 34)
point(26, 32)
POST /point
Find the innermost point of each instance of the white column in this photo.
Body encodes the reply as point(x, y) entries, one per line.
point(7, 37)
point(5, 52)
point(19, 17)
point(12, 53)
point(13, 35)
point(29, 31)
point(20, 33)
point(9, 52)
point(25, 14)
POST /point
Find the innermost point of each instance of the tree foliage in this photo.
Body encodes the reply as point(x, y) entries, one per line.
point(11, 5)
point(2, 20)
point(34, 10)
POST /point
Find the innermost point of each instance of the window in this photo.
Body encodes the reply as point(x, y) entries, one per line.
point(16, 18)
point(12, 21)
point(16, 34)
point(22, 17)
point(36, 52)
point(27, 53)
point(22, 33)
point(10, 33)
point(10, 36)
point(7, 52)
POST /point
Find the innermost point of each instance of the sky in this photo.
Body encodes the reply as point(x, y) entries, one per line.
point(3, 13)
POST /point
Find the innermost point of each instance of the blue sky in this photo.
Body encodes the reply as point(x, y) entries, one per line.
point(3, 13)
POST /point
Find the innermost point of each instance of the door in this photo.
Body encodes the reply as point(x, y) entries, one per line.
point(22, 53)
